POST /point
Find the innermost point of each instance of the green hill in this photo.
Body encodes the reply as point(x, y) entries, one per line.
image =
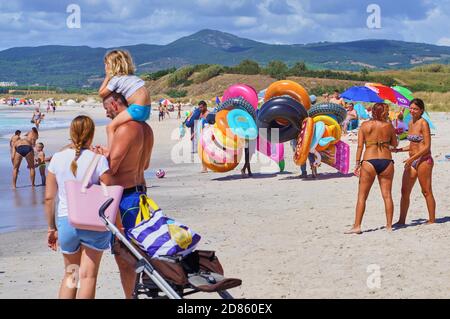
point(77, 66)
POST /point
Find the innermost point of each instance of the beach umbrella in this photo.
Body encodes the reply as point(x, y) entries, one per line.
point(166, 102)
point(387, 93)
point(407, 118)
point(361, 94)
point(404, 91)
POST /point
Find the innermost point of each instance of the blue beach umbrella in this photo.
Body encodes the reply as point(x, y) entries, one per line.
point(361, 94)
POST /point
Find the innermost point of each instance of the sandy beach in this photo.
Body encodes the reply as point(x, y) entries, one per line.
point(283, 236)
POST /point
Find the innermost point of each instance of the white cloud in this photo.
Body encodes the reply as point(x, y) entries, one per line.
point(444, 41)
point(123, 22)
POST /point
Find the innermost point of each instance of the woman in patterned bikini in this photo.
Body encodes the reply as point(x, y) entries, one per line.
point(420, 163)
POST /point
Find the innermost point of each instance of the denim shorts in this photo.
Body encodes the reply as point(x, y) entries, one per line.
point(139, 113)
point(70, 238)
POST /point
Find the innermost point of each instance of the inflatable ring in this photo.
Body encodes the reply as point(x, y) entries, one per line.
point(218, 167)
point(221, 121)
point(336, 111)
point(242, 90)
point(291, 88)
point(242, 124)
point(329, 121)
point(304, 141)
point(214, 151)
point(237, 103)
point(229, 140)
point(282, 107)
point(319, 130)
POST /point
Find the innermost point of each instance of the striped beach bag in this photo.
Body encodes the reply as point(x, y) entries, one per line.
point(159, 235)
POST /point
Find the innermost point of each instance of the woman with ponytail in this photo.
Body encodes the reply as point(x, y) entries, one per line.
point(82, 249)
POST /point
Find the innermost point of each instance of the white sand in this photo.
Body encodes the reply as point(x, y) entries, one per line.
point(282, 236)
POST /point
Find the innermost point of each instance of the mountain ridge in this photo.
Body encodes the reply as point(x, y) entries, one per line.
point(77, 66)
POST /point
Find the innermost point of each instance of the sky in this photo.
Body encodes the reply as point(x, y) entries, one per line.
point(112, 23)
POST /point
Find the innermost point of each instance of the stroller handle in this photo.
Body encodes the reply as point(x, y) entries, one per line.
point(104, 207)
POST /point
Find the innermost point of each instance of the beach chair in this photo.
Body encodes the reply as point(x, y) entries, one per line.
point(171, 277)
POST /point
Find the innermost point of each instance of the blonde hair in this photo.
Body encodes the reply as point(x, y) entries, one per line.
point(82, 131)
point(119, 62)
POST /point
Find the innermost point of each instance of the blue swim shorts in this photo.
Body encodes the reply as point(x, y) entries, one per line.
point(129, 209)
point(70, 238)
point(139, 113)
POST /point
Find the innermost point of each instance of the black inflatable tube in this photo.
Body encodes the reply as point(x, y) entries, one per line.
point(238, 103)
point(285, 108)
point(337, 111)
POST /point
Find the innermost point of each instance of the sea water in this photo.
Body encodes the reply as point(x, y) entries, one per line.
point(22, 208)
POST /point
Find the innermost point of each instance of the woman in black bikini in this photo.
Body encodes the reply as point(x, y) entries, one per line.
point(420, 163)
point(378, 135)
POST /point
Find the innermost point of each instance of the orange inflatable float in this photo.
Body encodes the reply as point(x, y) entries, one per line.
point(218, 167)
point(304, 141)
point(221, 121)
point(291, 88)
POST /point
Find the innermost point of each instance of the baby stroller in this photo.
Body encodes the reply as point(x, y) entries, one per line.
point(172, 277)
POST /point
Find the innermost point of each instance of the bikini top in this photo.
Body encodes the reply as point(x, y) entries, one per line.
point(415, 138)
point(378, 144)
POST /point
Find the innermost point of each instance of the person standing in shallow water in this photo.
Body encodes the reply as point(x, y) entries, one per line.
point(419, 165)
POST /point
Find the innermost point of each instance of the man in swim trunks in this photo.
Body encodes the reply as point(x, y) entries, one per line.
point(128, 158)
point(22, 148)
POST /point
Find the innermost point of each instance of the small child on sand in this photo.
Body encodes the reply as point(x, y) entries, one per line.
point(119, 69)
point(40, 161)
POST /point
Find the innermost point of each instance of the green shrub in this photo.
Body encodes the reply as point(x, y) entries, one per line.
point(245, 67)
point(157, 75)
point(277, 69)
point(176, 93)
point(180, 76)
point(208, 73)
point(298, 69)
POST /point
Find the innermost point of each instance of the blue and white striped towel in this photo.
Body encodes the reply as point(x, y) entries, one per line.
point(163, 236)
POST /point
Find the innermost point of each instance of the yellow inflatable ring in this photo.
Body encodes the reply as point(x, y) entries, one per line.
point(329, 121)
point(218, 167)
point(291, 88)
point(304, 141)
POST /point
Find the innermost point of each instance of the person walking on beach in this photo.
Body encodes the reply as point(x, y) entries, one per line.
point(161, 113)
point(179, 110)
point(12, 141)
point(198, 117)
point(377, 135)
point(36, 119)
point(129, 157)
point(420, 163)
point(166, 111)
point(80, 248)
